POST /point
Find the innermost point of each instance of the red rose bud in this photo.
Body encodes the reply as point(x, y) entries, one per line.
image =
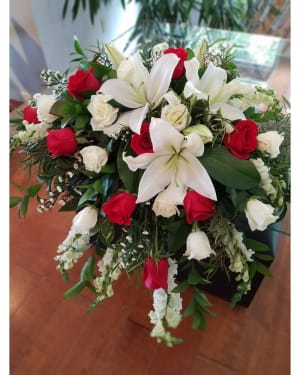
point(61, 142)
point(82, 82)
point(183, 55)
point(119, 208)
point(156, 274)
point(30, 115)
point(141, 143)
point(243, 139)
point(198, 207)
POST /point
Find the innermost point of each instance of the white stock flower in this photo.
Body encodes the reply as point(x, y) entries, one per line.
point(160, 299)
point(84, 220)
point(174, 161)
point(270, 142)
point(103, 114)
point(198, 246)
point(94, 158)
point(138, 89)
point(44, 104)
point(212, 86)
point(259, 214)
point(265, 179)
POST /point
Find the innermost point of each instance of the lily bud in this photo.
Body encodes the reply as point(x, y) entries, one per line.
point(201, 130)
point(114, 55)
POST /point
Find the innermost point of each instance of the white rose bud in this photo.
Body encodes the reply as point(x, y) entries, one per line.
point(84, 220)
point(94, 158)
point(44, 104)
point(259, 214)
point(270, 142)
point(163, 206)
point(177, 115)
point(103, 114)
point(201, 130)
point(198, 246)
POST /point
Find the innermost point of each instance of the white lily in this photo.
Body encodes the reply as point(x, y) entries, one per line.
point(212, 86)
point(138, 89)
point(173, 162)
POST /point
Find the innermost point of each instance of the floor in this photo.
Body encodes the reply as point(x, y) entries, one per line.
point(53, 336)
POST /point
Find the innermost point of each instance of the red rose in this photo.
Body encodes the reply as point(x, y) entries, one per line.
point(82, 82)
point(243, 139)
point(61, 142)
point(198, 207)
point(30, 115)
point(141, 143)
point(120, 208)
point(156, 274)
point(183, 55)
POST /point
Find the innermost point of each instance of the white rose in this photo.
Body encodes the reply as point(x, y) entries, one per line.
point(270, 142)
point(103, 114)
point(163, 207)
point(259, 214)
point(44, 104)
point(84, 220)
point(198, 246)
point(177, 114)
point(94, 157)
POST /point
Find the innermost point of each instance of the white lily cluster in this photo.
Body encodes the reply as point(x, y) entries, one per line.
point(167, 307)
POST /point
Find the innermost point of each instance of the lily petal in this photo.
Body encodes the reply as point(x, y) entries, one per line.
point(191, 70)
point(195, 144)
point(160, 78)
point(136, 118)
point(212, 80)
point(138, 162)
point(190, 89)
point(192, 173)
point(122, 92)
point(155, 178)
point(229, 111)
point(164, 136)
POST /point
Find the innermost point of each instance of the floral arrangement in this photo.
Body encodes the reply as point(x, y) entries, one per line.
point(169, 161)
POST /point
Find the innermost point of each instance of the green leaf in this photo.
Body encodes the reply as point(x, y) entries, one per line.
point(192, 307)
point(106, 230)
point(88, 195)
point(261, 268)
point(13, 201)
point(256, 245)
point(181, 287)
point(100, 70)
point(24, 204)
point(225, 168)
point(130, 179)
point(77, 46)
point(97, 186)
point(81, 122)
point(33, 190)
point(201, 298)
point(87, 271)
point(199, 321)
point(193, 277)
point(264, 257)
point(109, 168)
point(75, 290)
point(177, 234)
point(70, 205)
point(61, 108)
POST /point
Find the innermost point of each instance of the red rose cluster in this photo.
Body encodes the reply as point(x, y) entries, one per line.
point(182, 53)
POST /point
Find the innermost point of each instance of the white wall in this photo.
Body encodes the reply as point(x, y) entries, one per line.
point(41, 39)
